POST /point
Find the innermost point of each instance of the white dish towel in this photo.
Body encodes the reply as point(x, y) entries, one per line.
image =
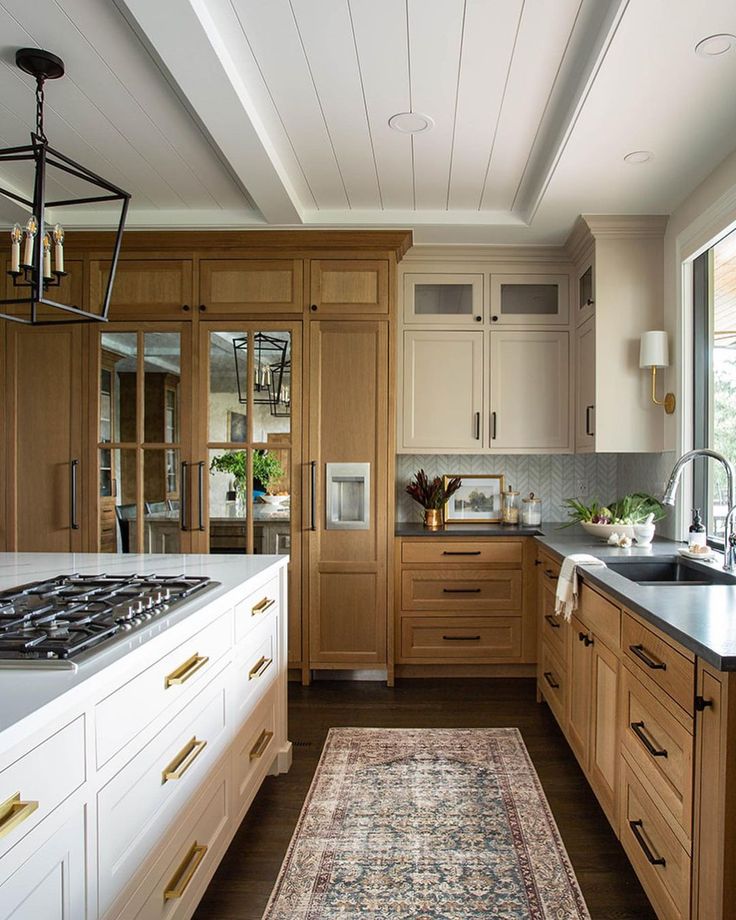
point(566, 600)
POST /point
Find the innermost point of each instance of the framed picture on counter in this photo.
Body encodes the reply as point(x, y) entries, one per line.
point(477, 499)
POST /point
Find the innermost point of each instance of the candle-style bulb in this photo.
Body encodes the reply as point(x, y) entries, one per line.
point(31, 231)
point(59, 248)
point(16, 235)
point(46, 255)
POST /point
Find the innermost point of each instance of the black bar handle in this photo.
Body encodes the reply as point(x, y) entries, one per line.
point(548, 573)
point(654, 860)
point(461, 590)
point(638, 650)
point(549, 677)
point(588, 410)
point(467, 552)
point(552, 621)
point(462, 638)
point(73, 522)
point(493, 426)
point(477, 426)
point(584, 637)
point(184, 500)
point(701, 704)
point(637, 729)
point(200, 489)
point(313, 496)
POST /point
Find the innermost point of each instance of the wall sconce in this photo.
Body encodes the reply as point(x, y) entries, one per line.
point(654, 353)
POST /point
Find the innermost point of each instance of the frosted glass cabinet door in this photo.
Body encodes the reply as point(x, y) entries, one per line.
point(443, 391)
point(449, 299)
point(529, 391)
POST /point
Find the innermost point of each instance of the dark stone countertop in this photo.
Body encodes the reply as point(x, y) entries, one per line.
point(700, 617)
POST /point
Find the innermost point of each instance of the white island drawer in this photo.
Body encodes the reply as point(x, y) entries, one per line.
point(249, 613)
point(170, 682)
point(35, 784)
point(135, 809)
point(256, 670)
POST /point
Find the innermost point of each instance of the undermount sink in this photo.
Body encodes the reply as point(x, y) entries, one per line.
point(670, 572)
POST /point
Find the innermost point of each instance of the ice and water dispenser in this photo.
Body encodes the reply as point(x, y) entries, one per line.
point(348, 496)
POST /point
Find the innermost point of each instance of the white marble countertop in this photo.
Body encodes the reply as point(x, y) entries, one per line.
point(23, 692)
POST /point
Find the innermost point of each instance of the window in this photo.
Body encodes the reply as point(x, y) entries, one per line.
point(714, 365)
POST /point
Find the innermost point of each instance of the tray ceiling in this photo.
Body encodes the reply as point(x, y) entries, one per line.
point(238, 113)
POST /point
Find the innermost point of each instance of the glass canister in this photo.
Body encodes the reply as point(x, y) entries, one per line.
point(510, 506)
point(531, 511)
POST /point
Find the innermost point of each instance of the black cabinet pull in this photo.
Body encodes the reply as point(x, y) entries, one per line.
point(185, 307)
point(589, 302)
point(585, 638)
point(73, 522)
point(184, 500)
point(467, 552)
point(702, 704)
point(548, 573)
point(552, 621)
point(461, 638)
point(479, 319)
point(313, 495)
point(549, 677)
point(461, 590)
point(588, 410)
point(477, 426)
point(493, 426)
point(313, 308)
point(494, 319)
point(537, 562)
point(638, 650)
point(637, 729)
point(200, 489)
point(654, 860)
point(203, 308)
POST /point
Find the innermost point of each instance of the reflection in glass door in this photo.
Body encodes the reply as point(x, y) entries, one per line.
point(142, 389)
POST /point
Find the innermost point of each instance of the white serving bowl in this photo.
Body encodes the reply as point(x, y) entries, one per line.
point(604, 531)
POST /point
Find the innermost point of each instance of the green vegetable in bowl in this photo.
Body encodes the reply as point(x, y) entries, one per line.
point(634, 508)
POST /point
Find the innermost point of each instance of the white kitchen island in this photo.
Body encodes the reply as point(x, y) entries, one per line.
point(122, 782)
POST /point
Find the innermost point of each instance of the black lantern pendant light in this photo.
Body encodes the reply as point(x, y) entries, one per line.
point(271, 372)
point(31, 262)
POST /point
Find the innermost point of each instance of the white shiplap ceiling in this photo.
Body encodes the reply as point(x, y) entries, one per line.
point(225, 113)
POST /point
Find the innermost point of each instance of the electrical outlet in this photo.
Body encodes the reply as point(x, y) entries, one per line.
point(581, 488)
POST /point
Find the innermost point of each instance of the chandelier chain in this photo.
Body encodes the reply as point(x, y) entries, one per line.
point(39, 110)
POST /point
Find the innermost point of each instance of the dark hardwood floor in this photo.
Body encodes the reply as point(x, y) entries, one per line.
point(243, 882)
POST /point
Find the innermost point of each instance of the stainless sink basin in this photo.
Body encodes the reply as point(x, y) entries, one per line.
point(670, 572)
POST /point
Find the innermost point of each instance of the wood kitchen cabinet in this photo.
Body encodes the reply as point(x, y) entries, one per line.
point(231, 286)
point(349, 286)
point(150, 288)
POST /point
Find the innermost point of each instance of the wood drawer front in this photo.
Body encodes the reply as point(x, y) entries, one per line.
point(461, 552)
point(460, 638)
point(461, 589)
point(42, 779)
point(250, 286)
point(135, 807)
point(165, 684)
point(253, 753)
point(550, 568)
point(553, 682)
point(662, 663)
point(204, 827)
point(600, 615)
point(256, 668)
point(667, 885)
point(261, 604)
point(670, 774)
point(554, 629)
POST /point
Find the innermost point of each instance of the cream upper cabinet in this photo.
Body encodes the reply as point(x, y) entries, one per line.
point(529, 299)
point(529, 390)
point(442, 391)
point(585, 304)
point(585, 387)
point(452, 298)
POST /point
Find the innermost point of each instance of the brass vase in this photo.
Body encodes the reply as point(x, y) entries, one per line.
point(433, 518)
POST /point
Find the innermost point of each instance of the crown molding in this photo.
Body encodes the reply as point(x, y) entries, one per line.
point(429, 252)
point(629, 226)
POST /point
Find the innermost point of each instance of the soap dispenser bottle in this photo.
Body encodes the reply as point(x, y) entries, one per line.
point(697, 534)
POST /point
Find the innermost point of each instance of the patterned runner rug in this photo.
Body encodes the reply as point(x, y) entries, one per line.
point(429, 824)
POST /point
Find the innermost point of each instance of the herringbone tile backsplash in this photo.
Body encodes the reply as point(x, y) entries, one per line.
point(552, 477)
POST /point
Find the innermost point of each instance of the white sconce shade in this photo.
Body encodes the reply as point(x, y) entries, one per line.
point(654, 349)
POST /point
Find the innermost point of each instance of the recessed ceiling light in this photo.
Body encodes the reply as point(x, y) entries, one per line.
point(639, 156)
point(715, 45)
point(410, 122)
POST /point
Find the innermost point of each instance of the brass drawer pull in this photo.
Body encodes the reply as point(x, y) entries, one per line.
point(550, 678)
point(654, 860)
point(638, 650)
point(551, 621)
point(14, 812)
point(183, 875)
point(461, 590)
point(637, 729)
point(462, 638)
point(262, 606)
point(260, 746)
point(183, 760)
point(260, 667)
point(190, 667)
